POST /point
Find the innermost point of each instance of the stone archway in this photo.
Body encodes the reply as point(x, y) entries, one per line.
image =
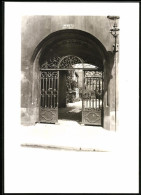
point(67, 42)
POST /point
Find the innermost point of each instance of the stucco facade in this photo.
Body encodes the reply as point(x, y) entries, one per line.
point(34, 29)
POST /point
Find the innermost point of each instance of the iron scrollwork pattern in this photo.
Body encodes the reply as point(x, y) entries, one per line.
point(61, 62)
point(49, 91)
point(93, 118)
point(58, 62)
point(93, 73)
point(49, 96)
point(52, 63)
point(92, 97)
point(68, 61)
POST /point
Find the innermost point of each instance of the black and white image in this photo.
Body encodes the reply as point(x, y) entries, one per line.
point(71, 96)
point(70, 71)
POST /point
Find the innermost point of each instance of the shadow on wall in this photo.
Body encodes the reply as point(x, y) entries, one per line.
point(109, 75)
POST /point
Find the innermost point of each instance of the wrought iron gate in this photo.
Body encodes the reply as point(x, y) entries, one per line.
point(92, 93)
point(49, 96)
point(92, 98)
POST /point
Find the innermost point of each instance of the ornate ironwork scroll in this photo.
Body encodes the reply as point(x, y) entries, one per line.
point(93, 73)
point(49, 96)
point(92, 97)
point(52, 63)
point(61, 62)
point(68, 61)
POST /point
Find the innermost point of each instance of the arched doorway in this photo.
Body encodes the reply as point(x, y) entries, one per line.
point(64, 51)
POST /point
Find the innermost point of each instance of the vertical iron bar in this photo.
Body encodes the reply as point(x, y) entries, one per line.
point(51, 87)
point(86, 92)
point(96, 93)
point(43, 93)
point(49, 91)
point(99, 93)
point(102, 111)
point(47, 87)
point(54, 89)
point(83, 100)
point(93, 91)
point(90, 93)
point(46, 94)
point(57, 86)
point(41, 99)
point(56, 103)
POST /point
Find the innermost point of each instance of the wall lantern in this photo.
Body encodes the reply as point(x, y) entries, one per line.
point(114, 31)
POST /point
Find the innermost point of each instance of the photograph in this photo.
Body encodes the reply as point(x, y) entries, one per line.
point(71, 97)
point(68, 77)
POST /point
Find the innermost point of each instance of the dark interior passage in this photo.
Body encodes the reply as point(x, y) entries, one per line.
point(62, 89)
